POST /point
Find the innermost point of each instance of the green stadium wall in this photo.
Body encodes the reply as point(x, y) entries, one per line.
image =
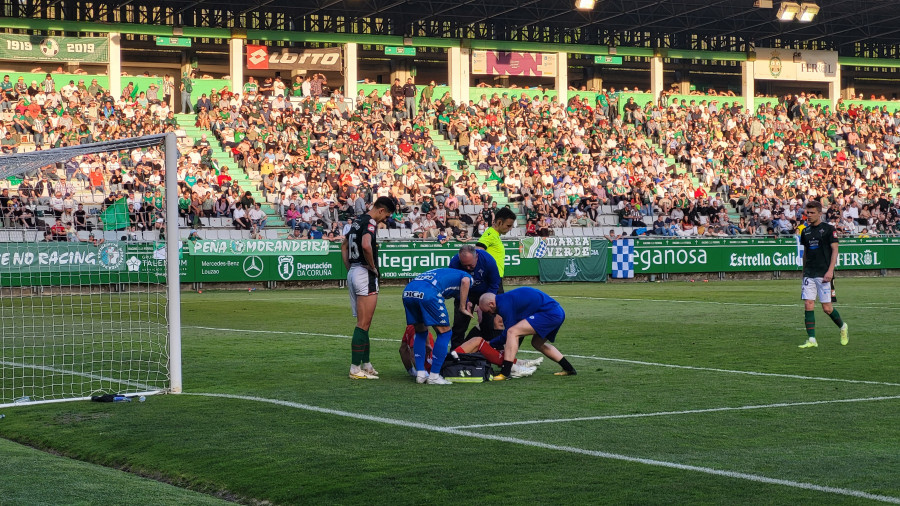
point(53, 264)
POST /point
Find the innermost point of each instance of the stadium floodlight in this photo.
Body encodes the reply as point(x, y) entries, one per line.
point(585, 5)
point(808, 11)
point(100, 314)
point(788, 11)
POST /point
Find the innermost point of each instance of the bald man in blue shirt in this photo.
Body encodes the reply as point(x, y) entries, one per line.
point(526, 311)
point(485, 279)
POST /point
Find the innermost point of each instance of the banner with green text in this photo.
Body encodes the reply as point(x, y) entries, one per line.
point(38, 48)
point(54, 264)
point(554, 247)
point(409, 259)
point(60, 263)
point(273, 247)
point(654, 256)
point(254, 267)
point(592, 267)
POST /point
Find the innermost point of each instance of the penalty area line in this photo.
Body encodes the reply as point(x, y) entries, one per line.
point(76, 373)
point(733, 371)
point(561, 448)
point(284, 332)
point(585, 357)
point(685, 412)
point(714, 302)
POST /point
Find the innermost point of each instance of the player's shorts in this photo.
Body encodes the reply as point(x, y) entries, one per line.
point(546, 324)
point(360, 282)
point(813, 287)
point(425, 306)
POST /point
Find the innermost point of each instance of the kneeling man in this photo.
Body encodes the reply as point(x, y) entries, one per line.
point(526, 312)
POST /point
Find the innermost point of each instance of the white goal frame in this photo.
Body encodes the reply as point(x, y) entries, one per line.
point(19, 163)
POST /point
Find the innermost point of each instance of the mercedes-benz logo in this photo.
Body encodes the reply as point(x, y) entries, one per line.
point(253, 266)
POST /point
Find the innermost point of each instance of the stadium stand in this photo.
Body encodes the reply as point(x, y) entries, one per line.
point(302, 162)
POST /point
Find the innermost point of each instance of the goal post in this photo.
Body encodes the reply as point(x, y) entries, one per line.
point(90, 308)
point(173, 247)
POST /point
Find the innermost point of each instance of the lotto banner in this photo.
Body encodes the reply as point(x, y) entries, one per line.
point(261, 58)
point(38, 48)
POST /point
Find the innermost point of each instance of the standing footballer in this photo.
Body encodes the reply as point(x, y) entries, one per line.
point(359, 251)
point(819, 258)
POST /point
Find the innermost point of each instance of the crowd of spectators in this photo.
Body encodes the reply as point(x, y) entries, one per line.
point(71, 196)
point(690, 167)
point(685, 168)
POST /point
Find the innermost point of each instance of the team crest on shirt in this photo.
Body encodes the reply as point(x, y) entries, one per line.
point(371, 228)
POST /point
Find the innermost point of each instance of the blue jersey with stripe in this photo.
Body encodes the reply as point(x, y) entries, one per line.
point(517, 305)
point(486, 277)
point(444, 282)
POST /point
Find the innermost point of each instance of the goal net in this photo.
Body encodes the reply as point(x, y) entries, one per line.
point(87, 304)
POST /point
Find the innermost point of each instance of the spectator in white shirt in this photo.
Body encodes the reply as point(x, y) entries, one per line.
point(257, 216)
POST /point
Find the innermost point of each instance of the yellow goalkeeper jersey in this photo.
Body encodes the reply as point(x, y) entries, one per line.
point(494, 245)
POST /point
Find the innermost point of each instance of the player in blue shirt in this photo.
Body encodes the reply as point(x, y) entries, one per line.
point(527, 312)
point(423, 300)
point(485, 278)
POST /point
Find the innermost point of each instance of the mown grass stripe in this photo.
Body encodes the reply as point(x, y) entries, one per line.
point(569, 449)
point(685, 412)
point(585, 357)
point(714, 302)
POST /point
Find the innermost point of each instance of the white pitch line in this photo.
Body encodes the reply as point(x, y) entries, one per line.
point(718, 303)
point(291, 299)
point(733, 371)
point(76, 373)
point(568, 449)
point(284, 332)
point(668, 413)
point(587, 357)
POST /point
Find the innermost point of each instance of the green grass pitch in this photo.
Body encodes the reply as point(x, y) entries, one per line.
point(687, 393)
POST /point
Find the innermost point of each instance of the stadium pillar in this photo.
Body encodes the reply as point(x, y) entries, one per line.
point(400, 69)
point(683, 81)
point(592, 79)
point(849, 90)
point(562, 77)
point(115, 65)
point(834, 88)
point(236, 64)
point(458, 70)
point(656, 76)
point(748, 85)
point(351, 66)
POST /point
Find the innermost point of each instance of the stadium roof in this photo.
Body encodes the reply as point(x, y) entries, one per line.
point(853, 27)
